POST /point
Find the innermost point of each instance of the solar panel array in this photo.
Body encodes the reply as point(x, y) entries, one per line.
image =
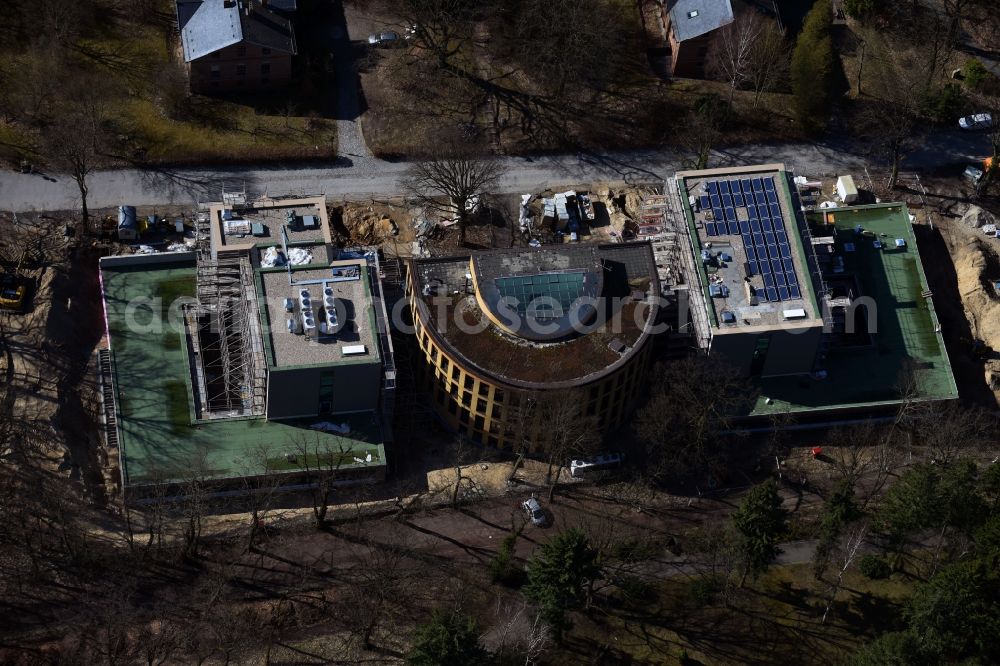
point(763, 232)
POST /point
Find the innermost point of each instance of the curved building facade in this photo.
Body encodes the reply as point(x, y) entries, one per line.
point(503, 333)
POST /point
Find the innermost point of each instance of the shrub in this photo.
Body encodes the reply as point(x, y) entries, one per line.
point(945, 104)
point(501, 567)
point(976, 76)
point(875, 567)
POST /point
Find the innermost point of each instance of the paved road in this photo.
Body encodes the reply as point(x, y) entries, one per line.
point(367, 176)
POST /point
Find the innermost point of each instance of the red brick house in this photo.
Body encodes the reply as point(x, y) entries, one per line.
point(689, 26)
point(235, 45)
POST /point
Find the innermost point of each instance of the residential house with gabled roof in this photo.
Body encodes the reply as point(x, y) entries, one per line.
point(234, 45)
point(689, 26)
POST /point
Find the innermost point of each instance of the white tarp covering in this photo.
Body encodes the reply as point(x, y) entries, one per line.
point(297, 256)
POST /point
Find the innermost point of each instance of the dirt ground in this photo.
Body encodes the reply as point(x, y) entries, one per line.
point(49, 376)
point(962, 264)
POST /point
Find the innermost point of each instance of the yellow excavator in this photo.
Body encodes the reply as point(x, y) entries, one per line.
point(13, 286)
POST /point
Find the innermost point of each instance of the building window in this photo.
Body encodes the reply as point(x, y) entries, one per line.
point(467, 399)
point(241, 70)
point(452, 408)
point(455, 372)
point(216, 72)
point(481, 406)
point(493, 442)
point(479, 422)
point(496, 412)
point(242, 50)
point(266, 51)
point(265, 68)
point(464, 416)
point(444, 363)
point(434, 353)
point(483, 388)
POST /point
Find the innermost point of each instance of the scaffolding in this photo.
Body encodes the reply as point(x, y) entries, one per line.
point(228, 345)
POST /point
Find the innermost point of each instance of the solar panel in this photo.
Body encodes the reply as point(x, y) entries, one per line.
point(759, 198)
point(730, 213)
point(768, 237)
point(751, 253)
point(716, 201)
point(766, 225)
point(744, 227)
point(758, 239)
point(779, 235)
point(753, 269)
point(772, 294)
point(761, 296)
point(794, 292)
point(710, 228)
point(734, 227)
point(776, 265)
point(713, 187)
point(772, 197)
point(769, 184)
point(717, 213)
point(765, 266)
point(775, 210)
point(786, 251)
point(727, 200)
point(724, 186)
point(783, 293)
point(779, 279)
point(745, 185)
point(738, 200)
point(747, 240)
point(768, 280)
point(705, 201)
point(763, 212)
point(752, 212)
point(755, 225)
point(790, 276)
point(758, 185)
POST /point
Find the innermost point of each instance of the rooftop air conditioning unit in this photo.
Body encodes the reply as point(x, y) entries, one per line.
point(289, 305)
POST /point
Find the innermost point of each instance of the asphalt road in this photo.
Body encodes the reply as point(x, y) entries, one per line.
point(361, 177)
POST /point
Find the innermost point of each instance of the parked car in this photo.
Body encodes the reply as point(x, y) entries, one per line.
point(533, 508)
point(972, 173)
point(976, 121)
point(606, 461)
point(383, 39)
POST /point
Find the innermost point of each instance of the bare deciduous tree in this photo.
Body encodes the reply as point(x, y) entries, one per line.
point(732, 49)
point(849, 547)
point(768, 63)
point(451, 184)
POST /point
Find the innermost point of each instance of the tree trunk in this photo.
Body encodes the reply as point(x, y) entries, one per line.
point(81, 182)
point(861, 65)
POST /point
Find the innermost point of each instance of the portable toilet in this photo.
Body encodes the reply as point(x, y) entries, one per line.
point(128, 226)
point(846, 190)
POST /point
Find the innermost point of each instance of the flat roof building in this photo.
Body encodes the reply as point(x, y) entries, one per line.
point(823, 309)
point(252, 355)
point(503, 329)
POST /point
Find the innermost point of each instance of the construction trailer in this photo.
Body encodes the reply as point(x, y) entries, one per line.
point(846, 189)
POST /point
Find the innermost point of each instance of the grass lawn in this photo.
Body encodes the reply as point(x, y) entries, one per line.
point(776, 619)
point(152, 118)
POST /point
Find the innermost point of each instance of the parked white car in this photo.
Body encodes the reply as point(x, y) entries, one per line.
point(976, 121)
point(383, 39)
point(533, 508)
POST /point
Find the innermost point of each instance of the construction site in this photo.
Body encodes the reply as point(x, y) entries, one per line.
point(196, 385)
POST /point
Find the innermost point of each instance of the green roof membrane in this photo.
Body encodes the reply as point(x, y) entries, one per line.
point(158, 440)
point(905, 335)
